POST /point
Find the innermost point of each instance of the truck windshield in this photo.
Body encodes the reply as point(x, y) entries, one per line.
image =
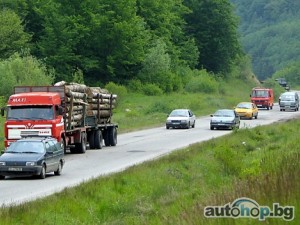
point(30, 113)
point(260, 93)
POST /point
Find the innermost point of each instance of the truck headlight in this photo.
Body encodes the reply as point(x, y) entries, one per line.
point(30, 163)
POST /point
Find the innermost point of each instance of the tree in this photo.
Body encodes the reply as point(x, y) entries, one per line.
point(12, 35)
point(214, 26)
point(23, 70)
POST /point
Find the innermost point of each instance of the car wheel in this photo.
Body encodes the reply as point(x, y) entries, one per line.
point(43, 173)
point(167, 127)
point(212, 128)
point(251, 117)
point(59, 169)
point(256, 116)
point(2, 177)
point(188, 126)
point(194, 124)
point(268, 108)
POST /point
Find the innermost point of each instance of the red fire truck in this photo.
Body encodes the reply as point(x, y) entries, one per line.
point(48, 111)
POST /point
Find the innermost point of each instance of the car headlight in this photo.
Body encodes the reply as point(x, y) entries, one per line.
point(30, 163)
point(2, 164)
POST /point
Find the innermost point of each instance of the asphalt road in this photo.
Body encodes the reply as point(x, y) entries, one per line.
point(132, 148)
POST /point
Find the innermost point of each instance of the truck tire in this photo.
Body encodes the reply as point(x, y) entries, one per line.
point(113, 136)
point(81, 147)
point(106, 137)
point(92, 139)
point(98, 139)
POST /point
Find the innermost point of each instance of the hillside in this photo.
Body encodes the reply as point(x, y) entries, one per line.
point(269, 33)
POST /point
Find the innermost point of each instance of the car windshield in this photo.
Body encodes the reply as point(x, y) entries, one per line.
point(182, 113)
point(244, 106)
point(224, 113)
point(287, 98)
point(26, 147)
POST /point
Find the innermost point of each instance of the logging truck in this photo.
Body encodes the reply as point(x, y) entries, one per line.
point(76, 115)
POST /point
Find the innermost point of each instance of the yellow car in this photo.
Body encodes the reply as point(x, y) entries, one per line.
point(247, 110)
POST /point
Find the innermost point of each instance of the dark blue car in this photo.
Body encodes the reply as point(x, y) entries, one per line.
point(32, 156)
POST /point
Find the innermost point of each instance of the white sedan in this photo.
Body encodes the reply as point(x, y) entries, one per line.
point(181, 118)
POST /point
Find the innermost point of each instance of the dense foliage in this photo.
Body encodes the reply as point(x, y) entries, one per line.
point(155, 42)
point(270, 33)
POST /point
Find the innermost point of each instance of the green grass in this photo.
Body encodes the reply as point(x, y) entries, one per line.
point(260, 163)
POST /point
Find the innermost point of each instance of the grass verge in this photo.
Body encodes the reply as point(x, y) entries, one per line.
point(260, 163)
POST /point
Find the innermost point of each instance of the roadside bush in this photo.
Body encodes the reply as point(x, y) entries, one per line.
point(202, 82)
point(135, 86)
point(152, 90)
point(117, 89)
point(160, 106)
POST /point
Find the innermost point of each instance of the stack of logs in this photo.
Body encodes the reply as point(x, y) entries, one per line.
point(82, 100)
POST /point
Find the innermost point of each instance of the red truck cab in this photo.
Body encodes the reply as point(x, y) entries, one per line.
point(262, 97)
point(35, 113)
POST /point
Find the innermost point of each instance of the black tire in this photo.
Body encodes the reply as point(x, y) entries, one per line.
point(194, 124)
point(212, 128)
point(43, 172)
point(251, 117)
point(81, 147)
point(92, 139)
point(188, 126)
point(167, 127)
point(106, 138)
point(2, 177)
point(59, 169)
point(98, 139)
point(268, 108)
point(256, 116)
point(112, 136)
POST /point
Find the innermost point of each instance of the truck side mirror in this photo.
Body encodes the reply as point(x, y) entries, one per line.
point(2, 111)
point(60, 110)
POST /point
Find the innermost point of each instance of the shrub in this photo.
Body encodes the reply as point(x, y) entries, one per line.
point(135, 86)
point(117, 89)
point(160, 106)
point(152, 90)
point(202, 82)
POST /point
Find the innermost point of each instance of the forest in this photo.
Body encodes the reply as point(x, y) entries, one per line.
point(270, 34)
point(160, 43)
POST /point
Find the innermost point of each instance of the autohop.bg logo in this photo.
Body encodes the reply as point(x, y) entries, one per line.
point(248, 208)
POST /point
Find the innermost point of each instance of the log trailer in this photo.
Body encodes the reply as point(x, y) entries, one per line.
point(74, 118)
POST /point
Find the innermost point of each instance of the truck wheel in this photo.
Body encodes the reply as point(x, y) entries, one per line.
point(81, 147)
point(63, 144)
point(106, 138)
point(112, 136)
point(92, 139)
point(98, 139)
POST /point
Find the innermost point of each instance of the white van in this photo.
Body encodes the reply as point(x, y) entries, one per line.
point(289, 101)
